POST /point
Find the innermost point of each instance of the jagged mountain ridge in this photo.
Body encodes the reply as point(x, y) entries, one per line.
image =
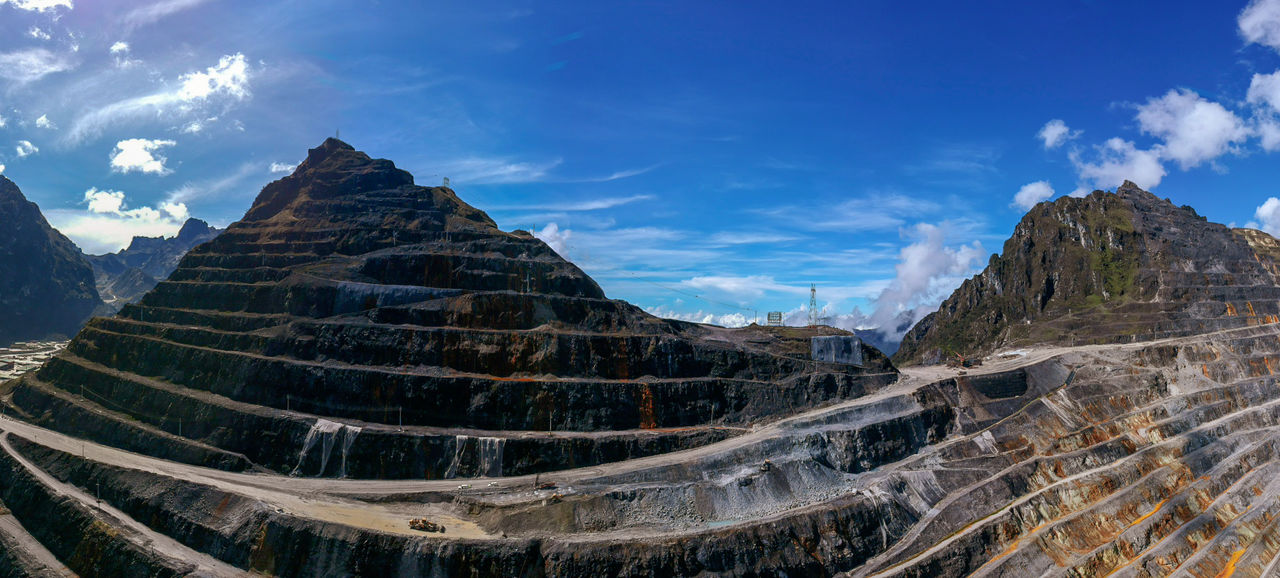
point(46, 286)
point(1105, 268)
point(124, 276)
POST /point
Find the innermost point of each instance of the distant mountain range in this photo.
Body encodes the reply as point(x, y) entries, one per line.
point(124, 276)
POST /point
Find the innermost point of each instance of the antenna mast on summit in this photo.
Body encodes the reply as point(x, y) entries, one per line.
point(813, 305)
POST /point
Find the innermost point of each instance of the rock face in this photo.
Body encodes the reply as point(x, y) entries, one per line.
point(1106, 268)
point(125, 276)
point(46, 286)
point(355, 324)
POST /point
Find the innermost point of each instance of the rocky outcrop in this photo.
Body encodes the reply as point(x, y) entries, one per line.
point(46, 286)
point(1106, 268)
point(125, 276)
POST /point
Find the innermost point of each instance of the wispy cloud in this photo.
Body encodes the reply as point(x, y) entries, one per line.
point(150, 13)
point(613, 176)
point(725, 238)
point(228, 79)
point(218, 187)
point(961, 158)
point(485, 171)
point(877, 212)
point(576, 206)
point(25, 66)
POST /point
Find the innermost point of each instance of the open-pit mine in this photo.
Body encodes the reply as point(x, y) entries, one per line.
point(367, 377)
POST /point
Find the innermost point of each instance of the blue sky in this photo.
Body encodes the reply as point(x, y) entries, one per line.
point(704, 160)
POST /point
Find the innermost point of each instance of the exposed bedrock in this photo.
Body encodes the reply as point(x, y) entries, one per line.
point(168, 422)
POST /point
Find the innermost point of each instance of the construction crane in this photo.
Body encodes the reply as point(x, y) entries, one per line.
point(961, 361)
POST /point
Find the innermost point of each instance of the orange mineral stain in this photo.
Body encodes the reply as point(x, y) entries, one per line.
point(1231, 564)
point(648, 419)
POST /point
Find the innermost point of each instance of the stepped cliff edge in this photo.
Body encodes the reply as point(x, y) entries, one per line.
point(364, 376)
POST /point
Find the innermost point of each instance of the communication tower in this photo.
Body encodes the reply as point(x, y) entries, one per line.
point(813, 305)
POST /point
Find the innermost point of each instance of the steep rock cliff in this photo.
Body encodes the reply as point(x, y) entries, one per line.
point(46, 286)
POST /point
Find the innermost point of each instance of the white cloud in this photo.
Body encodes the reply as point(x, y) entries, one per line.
point(1259, 23)
point(136, 154)
point(25, 149)
point(555, 238)
point(723, 320)
point(107, 232)
point(1055, 132)
point(104, 201)
point(1265, 89)
point(1119, 160)
point(1, 169)
point(176, 211)
point(38, 34)
point(3, 122)
point(1268, 216)
point(1194, 130)
point(120, 50)
point(230, 76)
point(29, 65)
point(45, 123)
point(927, 271)
point(38, 5)
point(1079, 193)
point(1032, 193)
point(283, 167)
point(1269, 132)
point(109, 226)
point(229, 79)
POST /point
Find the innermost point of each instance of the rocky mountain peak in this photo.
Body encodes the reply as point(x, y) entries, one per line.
point(336, 182)
point(194, 228)
point(1101, 268)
